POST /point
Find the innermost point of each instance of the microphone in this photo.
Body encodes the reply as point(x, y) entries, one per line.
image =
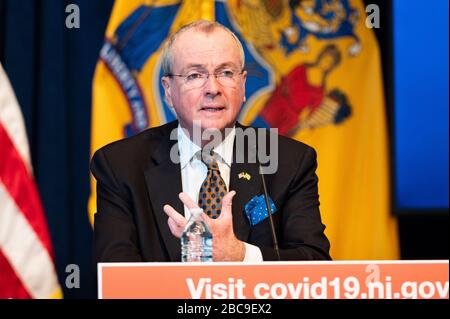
point(269, 209)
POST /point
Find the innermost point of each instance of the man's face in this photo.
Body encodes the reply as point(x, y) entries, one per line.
point(216, 106)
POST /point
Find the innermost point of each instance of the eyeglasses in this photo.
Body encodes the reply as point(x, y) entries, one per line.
point(197, 79)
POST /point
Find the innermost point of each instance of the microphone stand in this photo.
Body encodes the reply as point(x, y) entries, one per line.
point(269, 210)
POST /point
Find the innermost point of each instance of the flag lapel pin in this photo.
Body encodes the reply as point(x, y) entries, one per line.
point(244, 175)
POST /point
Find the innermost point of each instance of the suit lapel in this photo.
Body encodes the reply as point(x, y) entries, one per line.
point(246, 188)
point(164, 184)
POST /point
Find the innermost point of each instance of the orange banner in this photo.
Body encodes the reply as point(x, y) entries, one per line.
point(275, 280)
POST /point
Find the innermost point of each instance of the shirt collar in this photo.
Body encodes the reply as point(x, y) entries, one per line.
point(188, 149)
point(225, 149)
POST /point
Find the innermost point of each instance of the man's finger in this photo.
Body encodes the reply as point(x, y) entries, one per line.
point(208, 220)
point(174, 228)
point(227, 204)
point(187, 201)
point(177, 217)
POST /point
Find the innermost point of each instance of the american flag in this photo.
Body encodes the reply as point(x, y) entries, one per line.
point(27, 268)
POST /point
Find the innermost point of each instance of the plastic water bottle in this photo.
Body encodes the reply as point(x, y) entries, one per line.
point(196, 241)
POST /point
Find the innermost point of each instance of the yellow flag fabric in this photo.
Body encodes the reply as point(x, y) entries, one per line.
point(314, 73)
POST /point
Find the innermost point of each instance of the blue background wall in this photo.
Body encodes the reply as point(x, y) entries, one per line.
point(421, 104)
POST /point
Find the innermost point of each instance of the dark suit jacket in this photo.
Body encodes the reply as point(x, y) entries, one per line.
point(136, 178)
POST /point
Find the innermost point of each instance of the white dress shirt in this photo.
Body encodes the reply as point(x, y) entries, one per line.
point(194, 171)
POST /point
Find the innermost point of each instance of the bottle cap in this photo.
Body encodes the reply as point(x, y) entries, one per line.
point(196, 212)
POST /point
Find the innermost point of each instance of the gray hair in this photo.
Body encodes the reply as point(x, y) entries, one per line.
point(200, 25)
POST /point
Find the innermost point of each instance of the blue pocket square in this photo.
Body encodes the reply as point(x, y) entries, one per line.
point(256, 209)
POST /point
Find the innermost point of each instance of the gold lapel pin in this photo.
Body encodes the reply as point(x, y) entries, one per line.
point(244, 175)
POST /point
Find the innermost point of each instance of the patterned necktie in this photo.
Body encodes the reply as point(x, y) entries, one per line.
point(213, 188)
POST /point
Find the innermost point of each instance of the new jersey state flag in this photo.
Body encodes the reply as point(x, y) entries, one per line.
point(314, 73)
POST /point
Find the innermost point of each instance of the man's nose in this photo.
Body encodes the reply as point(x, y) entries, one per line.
point(212, 86)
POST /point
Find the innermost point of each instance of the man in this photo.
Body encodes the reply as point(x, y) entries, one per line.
point(146, 184)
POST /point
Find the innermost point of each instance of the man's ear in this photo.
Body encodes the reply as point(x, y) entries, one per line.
point(167, 90)
point(244, 79)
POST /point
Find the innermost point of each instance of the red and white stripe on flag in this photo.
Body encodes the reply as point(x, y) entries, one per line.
point(27, 268)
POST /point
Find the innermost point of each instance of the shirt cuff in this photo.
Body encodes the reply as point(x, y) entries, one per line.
point(252, 253)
